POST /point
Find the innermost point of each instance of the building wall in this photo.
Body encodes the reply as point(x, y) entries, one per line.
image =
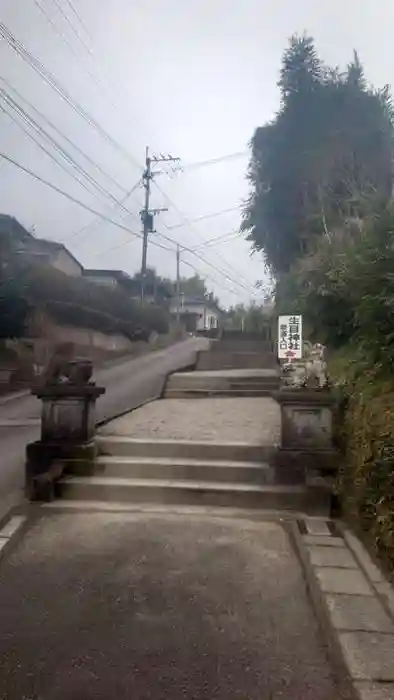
point(65, 263)
point(111, 282)
point(206, 318)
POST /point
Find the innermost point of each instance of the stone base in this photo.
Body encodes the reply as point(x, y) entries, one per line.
point(46, 463)
point(293, 466)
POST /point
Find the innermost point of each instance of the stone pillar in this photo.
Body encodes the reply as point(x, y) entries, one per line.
point(306, 453)
point(67, 429)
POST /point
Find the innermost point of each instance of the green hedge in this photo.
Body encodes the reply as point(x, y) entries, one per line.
point(365, 431)
point(80, 302)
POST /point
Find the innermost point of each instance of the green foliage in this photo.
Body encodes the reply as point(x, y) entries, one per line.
point(327, 156)
point(14, 310)
point(366, 481)
point(252, 318)
point(345, 289)
point(78, 301)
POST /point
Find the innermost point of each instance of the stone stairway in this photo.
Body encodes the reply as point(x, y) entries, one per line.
point(184, 473)
point(227, 359)
point(211, 441)
point(234, 382)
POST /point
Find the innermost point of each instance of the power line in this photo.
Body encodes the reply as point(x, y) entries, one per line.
point(75, 200)
point(79, 18)
point(45, 150)
point(207, 276)
point(214, 161)
point(206, 262)
point(185, 218)
point(50, 79)
point(52, 24)
point(63, 136)
point(107, 85)
point(70, 24)
point(205, 216)
point(220, 239)
point(94, 223)
point(22, 114)
point(65, 194)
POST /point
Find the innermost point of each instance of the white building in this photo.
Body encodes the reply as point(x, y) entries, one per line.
point(196, 314)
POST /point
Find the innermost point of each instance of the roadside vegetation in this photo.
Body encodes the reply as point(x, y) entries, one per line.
point(75, 301)
point(321, 208)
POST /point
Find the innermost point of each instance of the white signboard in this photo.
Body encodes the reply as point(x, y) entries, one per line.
point(290, 337)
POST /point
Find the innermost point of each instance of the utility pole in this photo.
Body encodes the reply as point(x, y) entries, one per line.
point(147, 214)
point(178, 283)
point(147, 218)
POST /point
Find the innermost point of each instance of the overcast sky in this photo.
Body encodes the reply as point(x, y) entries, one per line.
point(188, 77)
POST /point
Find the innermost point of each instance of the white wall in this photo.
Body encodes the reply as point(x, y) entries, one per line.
point(63, 262)
point(206, 317)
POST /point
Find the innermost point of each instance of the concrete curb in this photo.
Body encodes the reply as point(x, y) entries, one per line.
point(333, 648)
point(354, 605)
point(14, 396)
point(12, 529)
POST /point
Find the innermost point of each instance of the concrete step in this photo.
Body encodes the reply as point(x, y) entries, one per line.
point(207, 393)
point(269, 383)
point(192, 493)
point(184, 469)
point(208, 360)
point(216, 380)
point(121, 446)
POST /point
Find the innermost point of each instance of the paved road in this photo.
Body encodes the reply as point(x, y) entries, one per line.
point(128, 383)
point(154, 607)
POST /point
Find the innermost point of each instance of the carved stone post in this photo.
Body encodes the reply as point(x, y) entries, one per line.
point(306, 453)
point(67, 429)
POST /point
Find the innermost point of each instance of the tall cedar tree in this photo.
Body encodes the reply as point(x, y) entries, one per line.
point(327, 156)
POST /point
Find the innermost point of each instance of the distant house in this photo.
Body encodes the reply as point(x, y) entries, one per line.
point(54, 254)
point(38, 250)
point(154, 290)
point(196, 314)
point(115, 279)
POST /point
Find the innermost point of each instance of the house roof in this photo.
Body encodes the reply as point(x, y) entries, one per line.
point(200, 301)
point(130, 283)
point(28, 242)
point(119, 275)
point(52, 246)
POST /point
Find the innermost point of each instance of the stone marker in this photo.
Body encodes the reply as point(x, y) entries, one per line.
point(67, 428)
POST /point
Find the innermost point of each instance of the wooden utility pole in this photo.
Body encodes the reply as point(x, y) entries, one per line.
point(178, 284)
point(147, 214)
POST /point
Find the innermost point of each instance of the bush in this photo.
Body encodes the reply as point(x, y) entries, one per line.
point(79, 302)
point(364, 430)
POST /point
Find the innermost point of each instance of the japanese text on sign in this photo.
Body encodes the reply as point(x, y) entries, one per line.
point(290, 337)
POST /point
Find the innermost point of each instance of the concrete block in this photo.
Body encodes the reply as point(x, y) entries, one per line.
point(12, 526)
point(317, 526)
point(369, 655)
point(358, 613)
point(333, 557)
point(373, 573)
point(336, 580)
point(323, 541)
point(374, 691)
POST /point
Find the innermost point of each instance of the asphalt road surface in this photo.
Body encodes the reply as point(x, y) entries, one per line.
point(128, 383)
point(114, 606)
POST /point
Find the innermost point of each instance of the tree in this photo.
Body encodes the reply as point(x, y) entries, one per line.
point(325, 158)
point(14, 310)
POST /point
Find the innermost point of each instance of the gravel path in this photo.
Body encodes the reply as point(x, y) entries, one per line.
point(253, 420)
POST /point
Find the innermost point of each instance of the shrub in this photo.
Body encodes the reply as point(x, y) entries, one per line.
point(364, 430)
point(79, 302)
